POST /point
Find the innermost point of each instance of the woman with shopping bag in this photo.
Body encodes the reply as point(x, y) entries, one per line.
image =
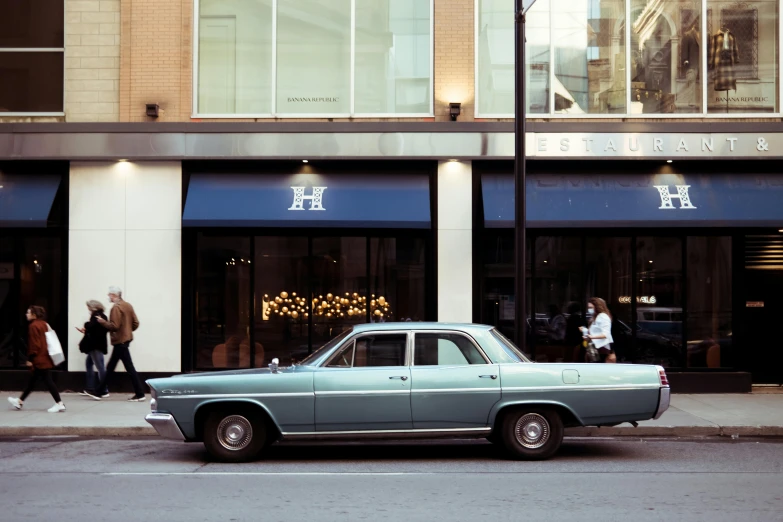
point(39, 360)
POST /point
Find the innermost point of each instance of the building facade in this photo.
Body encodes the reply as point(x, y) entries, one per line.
point(259, 175)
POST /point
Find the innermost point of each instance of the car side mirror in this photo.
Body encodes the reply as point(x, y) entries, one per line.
point(274, 365)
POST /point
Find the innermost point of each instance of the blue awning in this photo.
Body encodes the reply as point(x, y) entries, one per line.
point(308, 200)
point(26, 200)
point(674, 200)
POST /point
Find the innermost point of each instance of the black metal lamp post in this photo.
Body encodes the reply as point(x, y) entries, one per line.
point(521, 9)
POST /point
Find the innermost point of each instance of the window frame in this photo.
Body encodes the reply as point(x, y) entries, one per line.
point(42, 50)
point(704, 114)
point(470, 339)
point(276, 115)
point(407, 359)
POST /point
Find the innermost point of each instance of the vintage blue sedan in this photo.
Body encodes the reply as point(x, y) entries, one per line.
point(406, 380)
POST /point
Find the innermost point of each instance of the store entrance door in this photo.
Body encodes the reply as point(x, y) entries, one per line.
point(763, 309)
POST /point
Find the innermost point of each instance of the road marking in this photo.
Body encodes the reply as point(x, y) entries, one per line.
point(268, 473)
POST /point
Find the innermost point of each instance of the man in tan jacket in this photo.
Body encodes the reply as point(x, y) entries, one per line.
point(121, 325)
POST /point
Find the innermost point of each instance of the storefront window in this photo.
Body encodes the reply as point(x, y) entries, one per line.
point(743, 54)
point(666, 56)
point(709, 323)
point(559, 297)
point(495, 64)
point(300, 61)
point(397, 282)
point(223, 302)
point(589, 61)
point(659, 301)
point(8, 307)
point(393, 57)
point(281, 311)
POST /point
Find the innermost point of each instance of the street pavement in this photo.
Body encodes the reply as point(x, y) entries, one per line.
point(134, 479)
point(743, 415)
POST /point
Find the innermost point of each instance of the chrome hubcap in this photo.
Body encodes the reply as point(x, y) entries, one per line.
point(235, 433)
point(532, 430)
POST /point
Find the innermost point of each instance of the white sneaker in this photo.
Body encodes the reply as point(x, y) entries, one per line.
point(16, 403)
point(57, 408)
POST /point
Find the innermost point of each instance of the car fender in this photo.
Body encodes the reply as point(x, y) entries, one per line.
point(511, 402)
point(234, 400)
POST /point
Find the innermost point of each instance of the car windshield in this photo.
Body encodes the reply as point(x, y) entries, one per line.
point(313, 357)
point(510, 349)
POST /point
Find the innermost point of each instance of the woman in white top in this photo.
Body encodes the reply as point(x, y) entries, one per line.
point(600, 331)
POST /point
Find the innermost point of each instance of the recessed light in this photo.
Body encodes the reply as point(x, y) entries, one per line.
point(305, 161)
point(668, 161)
point(122, 160)
point(781, 230)
point(651, 262)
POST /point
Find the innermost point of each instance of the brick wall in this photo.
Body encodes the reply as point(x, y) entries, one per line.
point(454, 58)
point(92, 60)
point(156, 60)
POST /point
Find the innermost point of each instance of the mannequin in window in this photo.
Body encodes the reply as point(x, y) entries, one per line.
point(690, 62)
point(724, 55)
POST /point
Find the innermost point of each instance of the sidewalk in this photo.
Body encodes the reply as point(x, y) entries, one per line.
point(689, 416)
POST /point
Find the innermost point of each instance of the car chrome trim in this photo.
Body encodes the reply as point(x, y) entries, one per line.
point(165, 425)
point(375, 434)
point(598, 387)
point(664, 399)
point(455, 390)
point(237, 395)
point(331, 393)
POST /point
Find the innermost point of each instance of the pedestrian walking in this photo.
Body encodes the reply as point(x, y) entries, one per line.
point(121, 325)
point(94, 346)
point(600, 329)
point(38, 360)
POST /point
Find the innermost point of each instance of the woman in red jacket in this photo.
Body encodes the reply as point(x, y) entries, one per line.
point(38, 354)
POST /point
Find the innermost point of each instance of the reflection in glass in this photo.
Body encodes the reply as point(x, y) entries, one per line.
point(392, 69)
point(709, 302)
point(589, 42)
point(666, 56)
point(397, 267)
point(608, 273)
point(31, 23)
point(223, 268)
point(659, 301)
point(235, 57)
point(558, 292)
point(743, 53)
point(31, 82)
point(339, 283)
point(281, 311)
point(9, 318)
point(313, 56)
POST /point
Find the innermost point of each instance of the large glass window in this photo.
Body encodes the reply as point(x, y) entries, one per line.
point(709, 324)
point(495, 64)
point(743, 54)
point(589, 42)
point(31, 56)
point(666, 56)
point(397, 281)
point(297, 57)
point(8, 306)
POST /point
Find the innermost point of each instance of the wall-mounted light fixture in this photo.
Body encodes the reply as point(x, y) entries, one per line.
point(454, 110)
point(153, 110)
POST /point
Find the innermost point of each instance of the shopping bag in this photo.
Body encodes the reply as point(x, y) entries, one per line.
point(54, 347)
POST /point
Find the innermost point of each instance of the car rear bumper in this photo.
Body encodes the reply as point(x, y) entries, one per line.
point(165, 425)
point(664, 397)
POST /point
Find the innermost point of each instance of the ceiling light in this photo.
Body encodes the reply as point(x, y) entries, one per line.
point(305, 161)
point(122, 160)
point(668, 161)
point(651, 262)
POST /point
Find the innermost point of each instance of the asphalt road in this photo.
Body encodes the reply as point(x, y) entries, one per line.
point(48, 479)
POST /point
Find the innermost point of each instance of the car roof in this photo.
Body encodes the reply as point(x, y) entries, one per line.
point(364, 327)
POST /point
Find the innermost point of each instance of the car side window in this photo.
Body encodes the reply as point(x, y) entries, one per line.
point(371, 350)
point(439, 349)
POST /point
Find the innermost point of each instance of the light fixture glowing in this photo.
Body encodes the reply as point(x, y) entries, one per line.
point(305, 161)
point(668, 161)
point(123, 160)
point(651, 261)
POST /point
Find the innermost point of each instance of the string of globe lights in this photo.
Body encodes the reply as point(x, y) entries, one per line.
point(329, 306)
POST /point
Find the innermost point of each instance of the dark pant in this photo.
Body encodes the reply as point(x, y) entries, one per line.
point(95, 359)
point(47, 378)
point(121, 352)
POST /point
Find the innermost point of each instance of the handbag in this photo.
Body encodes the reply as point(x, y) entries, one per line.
point(591, 353)
point(54, 347)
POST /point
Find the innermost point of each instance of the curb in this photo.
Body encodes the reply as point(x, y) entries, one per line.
point(617, 431)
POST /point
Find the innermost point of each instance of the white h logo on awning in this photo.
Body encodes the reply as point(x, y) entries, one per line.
point(316, 199)
point(667, 197)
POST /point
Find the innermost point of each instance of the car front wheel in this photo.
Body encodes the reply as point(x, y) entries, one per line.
point(532, 434)
point(234, 437)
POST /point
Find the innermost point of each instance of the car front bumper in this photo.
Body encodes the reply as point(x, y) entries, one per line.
point(165, 425)
point(664, 398)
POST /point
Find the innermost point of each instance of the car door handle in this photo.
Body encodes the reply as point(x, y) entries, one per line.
point(402, 377)
point(493, 377)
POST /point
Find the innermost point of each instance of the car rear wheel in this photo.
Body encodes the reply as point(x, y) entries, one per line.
point(234, 437)
point(532, 434)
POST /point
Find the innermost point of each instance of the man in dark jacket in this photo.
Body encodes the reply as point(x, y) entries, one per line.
point(121, 325)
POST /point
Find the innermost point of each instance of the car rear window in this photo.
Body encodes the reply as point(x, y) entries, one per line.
point(509, 348)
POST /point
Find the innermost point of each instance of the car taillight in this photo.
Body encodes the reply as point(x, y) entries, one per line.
point(662, 376)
